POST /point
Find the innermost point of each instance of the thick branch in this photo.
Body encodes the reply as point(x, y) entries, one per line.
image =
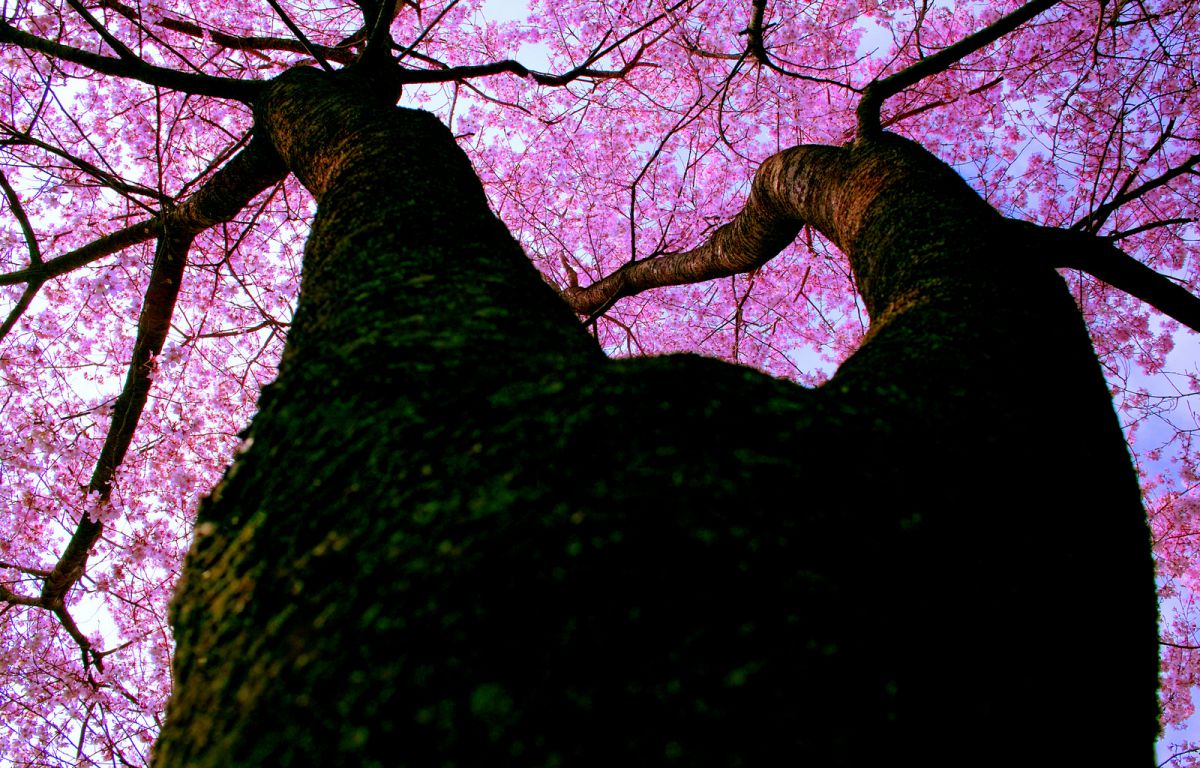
point(1102, 259)
point(188, 82)
point(516, 68)
point(880, 90)
point(153, 325)
point(8, 596)
point(84, 255)
point(219, 199)
point(768, 222)
point(295, 30)
point(234, 42)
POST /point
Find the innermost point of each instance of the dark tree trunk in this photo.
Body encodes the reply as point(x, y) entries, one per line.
point(461, 536)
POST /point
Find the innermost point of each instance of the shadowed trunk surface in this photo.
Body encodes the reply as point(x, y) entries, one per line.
point(461, 536)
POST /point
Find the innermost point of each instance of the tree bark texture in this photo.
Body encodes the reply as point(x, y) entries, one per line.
point(458, 535)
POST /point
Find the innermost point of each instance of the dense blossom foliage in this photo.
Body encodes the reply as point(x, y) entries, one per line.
point(637, 135)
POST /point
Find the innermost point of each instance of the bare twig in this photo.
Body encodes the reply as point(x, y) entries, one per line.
point(14, 202)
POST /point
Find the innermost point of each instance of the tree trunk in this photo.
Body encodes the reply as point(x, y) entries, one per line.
point(459, 535)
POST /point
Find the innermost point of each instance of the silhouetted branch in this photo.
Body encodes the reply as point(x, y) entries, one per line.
point(118, 47)
point(879, 91)
point(756, 47)
point(218, 200)
point(1124, 233)
point(584, 70)
point(188, 82)
point(1102, 259)
point(166, 275)
point(107, 178)
point(295, 30)
point(22, 304)
point(253, 43)
point(153, 325)
point(1182, 647)
point(1094, 220)
point(516, 68)
point(14, 202)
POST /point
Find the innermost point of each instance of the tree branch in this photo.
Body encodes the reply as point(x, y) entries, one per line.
point(8, 596)
point(105, 177)
point(118, 47)
point(767, 223)
point(233, 42)
point(879, 91)
point(220, 198)
point(31, 290)
point(153, 324)
point(188, 82)
point(516, 68)
point(780, 202)
point(1102, 259)
point(1094, 220)
point(14, 202)
point(756, 47)
point(583, 70)
point(295, 30)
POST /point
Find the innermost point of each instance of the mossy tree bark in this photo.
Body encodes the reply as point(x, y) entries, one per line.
point(461, 536)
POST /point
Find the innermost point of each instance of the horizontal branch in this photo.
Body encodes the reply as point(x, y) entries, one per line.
point(510, 66)
point(1102, 259)
point(187, 82)
point(253, 43)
